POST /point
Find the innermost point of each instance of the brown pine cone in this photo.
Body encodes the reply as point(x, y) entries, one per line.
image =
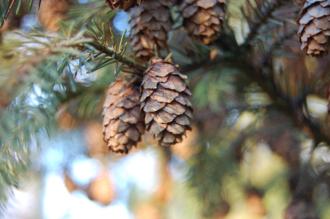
point(123, 4)
point(314, 27)
point(122, 117)
point(51, 12)
point(150, 22)
point(203, 18)
point(165, 101)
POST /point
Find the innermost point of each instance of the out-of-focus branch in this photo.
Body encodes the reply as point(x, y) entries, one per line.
point(282, 102)
point(263, 76)
point(264, 11)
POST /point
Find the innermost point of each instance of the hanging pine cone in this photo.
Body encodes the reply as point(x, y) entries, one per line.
point(203, 18)
point(51, 12)
point(165, 101)
point(123, 4)
point(314, 27)
point(122, 117)
point(150, 22)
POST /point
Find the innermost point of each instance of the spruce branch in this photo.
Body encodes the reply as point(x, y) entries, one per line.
point(11, 5)
point(263, 76)
point(295, 109)
point(118, 56)
point(263, 11)
point(278, 43)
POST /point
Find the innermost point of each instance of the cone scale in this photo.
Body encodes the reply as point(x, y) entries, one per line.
point(314, 27)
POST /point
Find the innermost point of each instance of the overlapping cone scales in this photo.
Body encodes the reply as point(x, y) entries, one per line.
point(122, 118)
point(165, 101)
point(203, 18)
point(314, 26)
point(123, 4)
point(150, 22)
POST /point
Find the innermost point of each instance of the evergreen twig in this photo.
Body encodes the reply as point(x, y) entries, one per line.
point(117, 56)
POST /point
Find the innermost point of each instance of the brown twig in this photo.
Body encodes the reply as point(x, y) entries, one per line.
point(125, 60)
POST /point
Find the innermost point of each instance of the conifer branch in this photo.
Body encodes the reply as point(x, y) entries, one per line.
point(263, 14)
point(295, 109)
point(119, 57)
point(282, 102)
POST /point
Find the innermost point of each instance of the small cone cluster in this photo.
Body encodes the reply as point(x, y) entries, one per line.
point(161, 106)
point(314, 27)
point(203, 18)
point(122, 117)
point(51, 12)
point(150, 22)
point(165, 101)
point(123, 4)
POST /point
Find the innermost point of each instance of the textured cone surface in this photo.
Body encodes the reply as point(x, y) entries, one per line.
point(51, 12)
point(123, 4)
point(203, 18)
point(165, 101)
point(314, 27)
point(150, 22)
point(122, 118)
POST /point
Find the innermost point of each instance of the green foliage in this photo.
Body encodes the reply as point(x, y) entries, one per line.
point(47, 76)
point(8, 7)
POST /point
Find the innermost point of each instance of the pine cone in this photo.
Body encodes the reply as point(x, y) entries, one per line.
point(51, 12)
point(165, 101)
point(122, 117)
point(314, 27)
point(203, 18)
point(123, 4)
point(150, 22)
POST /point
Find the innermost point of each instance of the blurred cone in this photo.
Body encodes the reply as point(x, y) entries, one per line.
point(186, 149)
point(69, 183)
point(203, 19)
point(150, 23)
point(101, 189)
point(51, 12)
point(255, 203)
point(147, 211)
point(65, 120)
point(94, 139)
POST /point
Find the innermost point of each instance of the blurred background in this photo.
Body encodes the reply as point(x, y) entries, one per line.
point(245, 157)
